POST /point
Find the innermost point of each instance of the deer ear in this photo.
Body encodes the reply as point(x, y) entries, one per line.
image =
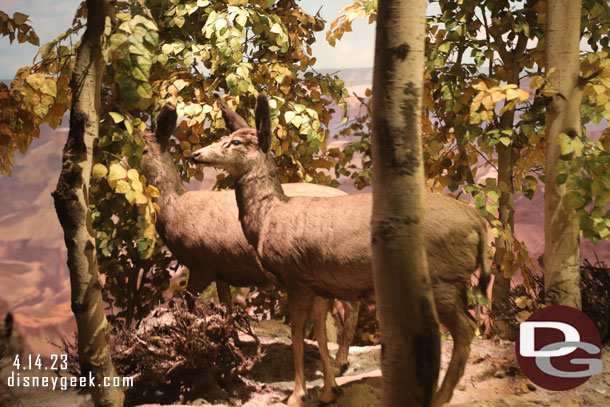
point(8, 325)
point(263, 123)
point(166, 123)
point(233, 121)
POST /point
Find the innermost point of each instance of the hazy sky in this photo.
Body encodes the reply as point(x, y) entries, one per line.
point(52, 17)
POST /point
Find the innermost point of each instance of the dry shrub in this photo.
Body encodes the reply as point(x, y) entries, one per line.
point(595, 291)
point(177, 355)
point(367, 328)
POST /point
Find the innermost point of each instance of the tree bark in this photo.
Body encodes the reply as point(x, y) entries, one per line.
point(72, 205)
point(562, 231)
point(507, 156)
point(407, 315)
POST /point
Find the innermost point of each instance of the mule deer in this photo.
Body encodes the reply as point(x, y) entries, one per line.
point(202, 230)
point(323, 245)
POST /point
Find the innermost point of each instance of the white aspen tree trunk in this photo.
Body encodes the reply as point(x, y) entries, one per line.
point(562, 231)
point(407, 315)
point(72, 205)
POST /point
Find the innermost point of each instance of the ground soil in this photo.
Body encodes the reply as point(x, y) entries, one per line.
point(492, 379)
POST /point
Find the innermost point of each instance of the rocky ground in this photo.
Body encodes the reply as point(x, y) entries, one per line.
point(492, 379)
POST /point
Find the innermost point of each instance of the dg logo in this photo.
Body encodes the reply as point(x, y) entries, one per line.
point(559, 348)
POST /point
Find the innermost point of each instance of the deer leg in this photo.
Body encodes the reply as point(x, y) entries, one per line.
point(350, 320)
point(300, 307)
point(224, 295)
point(462, 327)
point(320, 309)
point(197, 282)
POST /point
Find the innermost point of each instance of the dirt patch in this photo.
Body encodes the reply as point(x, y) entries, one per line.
point(492, 378)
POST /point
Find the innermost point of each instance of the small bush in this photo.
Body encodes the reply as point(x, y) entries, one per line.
point(595, 291)
point(180, 355)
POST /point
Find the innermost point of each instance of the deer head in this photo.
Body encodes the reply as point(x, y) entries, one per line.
point(157, 164)
point(245, 147)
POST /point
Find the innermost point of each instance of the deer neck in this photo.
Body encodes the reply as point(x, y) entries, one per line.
point(257, 193)
point(168, 182)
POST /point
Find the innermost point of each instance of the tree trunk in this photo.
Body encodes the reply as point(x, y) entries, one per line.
point(506, 213)
point(72, 205)
point(407, 315)
point(561, 226)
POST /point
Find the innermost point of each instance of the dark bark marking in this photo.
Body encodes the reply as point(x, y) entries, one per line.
point(385, 230)
point(68, 209)
point(79, 307)
point(426, 351)
point(403, 159)
point(400, 51)
point(572, 133)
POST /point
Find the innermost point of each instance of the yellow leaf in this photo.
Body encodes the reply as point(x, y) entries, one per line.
point(136, 185)
point(122, 187)
point(599, 89)
point(480, 86)
point(49, 87)
point(141, 198)
point(152, 191)
point(498, 95)
point(131, 197)
point(512, 94)
point(99, 171)
point(536, 82)
point(488, 102)
point(521, 302)
point(523, 315)
point(523, 95)
point(116, 173)
point(35, 80)
point(132, 174)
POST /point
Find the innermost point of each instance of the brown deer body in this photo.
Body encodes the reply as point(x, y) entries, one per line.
point(202, 230)
point(323, 245)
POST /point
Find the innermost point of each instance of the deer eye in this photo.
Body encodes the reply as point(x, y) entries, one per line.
point(235, 143)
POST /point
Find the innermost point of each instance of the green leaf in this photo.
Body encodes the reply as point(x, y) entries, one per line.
point(145, 90)
point(128, 126)
point(138, 74)
point(445, 46)
point(565, 143)
point(505, 140)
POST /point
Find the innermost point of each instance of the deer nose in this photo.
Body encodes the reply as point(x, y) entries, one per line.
point(195, 155)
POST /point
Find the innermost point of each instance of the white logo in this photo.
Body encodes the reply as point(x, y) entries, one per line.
point(569, 344)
